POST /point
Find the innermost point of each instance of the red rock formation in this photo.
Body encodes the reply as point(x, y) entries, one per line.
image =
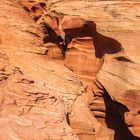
point(69, 70)
point(35, 93)
point(120, 72)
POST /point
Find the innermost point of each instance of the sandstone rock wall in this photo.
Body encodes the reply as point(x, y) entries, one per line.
point(69, 70)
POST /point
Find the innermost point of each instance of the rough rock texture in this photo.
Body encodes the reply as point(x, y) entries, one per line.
point(69, 70)
point(36, 94)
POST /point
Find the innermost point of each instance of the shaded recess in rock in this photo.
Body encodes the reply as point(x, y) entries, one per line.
point(122, 58)
point(102, 43)
point(115, 118)
point(54, 38)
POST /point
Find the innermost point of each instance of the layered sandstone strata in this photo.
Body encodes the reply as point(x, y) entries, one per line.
point(69, 70)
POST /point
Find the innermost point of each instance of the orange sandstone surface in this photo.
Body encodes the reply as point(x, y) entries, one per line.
point(69, 70)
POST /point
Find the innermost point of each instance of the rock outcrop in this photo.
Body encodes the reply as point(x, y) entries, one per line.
point(69, 70)
point(35, 93)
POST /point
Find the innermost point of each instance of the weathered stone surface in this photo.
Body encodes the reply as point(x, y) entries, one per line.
point(119, 74)
point(69, 70)
point(35, 93)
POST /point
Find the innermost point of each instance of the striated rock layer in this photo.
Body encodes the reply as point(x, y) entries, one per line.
point(69, 70)
point(36, 94)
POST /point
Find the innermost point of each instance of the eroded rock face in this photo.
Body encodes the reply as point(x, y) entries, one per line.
point(36, 94)
point(69, 70)
point(119, 74)
point(81, 49)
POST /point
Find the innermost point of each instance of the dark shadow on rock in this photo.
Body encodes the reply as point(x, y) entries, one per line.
point(115, 118)
point(101, 43)
point(51, 36)
point(40, 5)
point(68, 118)
point(122, 58)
